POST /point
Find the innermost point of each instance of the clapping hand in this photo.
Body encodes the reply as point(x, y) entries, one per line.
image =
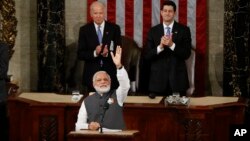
point(102, 50)
point(105, 51)
point(166, 41)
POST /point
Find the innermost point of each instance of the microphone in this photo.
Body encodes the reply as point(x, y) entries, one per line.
point(151, 95)
point(105, 108)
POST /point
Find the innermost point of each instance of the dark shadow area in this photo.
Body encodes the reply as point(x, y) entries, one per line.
point(4, 123)
point(144, 73)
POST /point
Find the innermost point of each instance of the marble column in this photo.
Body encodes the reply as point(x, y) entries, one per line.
point(236, 79)
point(51, 45)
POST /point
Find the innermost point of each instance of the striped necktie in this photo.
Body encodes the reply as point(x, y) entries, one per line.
point(99, 34)
point(168, 33)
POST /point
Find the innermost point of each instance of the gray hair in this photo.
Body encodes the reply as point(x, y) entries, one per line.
point(97, 3)
point(95, 75)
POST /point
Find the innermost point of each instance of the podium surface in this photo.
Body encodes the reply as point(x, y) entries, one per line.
point(87, 135)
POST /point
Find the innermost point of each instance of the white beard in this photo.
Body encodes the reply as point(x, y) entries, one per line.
point(102, 90)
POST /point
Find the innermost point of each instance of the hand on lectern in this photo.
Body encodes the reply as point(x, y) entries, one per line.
point(94, 126)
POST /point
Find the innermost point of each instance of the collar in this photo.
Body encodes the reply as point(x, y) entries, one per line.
point(102, 25)
point(170, 25)
point(108, 94)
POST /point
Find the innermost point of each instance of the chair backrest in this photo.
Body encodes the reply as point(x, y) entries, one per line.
point(131, 53)
point(190, 63)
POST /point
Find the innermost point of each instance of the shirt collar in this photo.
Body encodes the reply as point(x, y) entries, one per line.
point(170, 25)
point(102, 25)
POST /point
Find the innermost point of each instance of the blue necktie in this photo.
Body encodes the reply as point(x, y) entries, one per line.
point(99, 34)
point(168, 33)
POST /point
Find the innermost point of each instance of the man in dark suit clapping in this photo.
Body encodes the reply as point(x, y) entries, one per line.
point(96, 40)
point(168, 46)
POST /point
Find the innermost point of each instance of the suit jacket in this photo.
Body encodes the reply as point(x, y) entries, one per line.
point(88, 40)
point(168, 69)
point(4, 64)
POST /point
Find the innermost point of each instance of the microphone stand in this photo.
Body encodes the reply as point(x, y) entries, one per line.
point(105, 108)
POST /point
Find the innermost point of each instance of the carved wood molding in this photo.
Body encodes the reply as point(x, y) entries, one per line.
point(48, 128)
point(8, 23)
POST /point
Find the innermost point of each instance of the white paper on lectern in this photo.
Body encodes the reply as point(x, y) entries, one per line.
point(110, 130)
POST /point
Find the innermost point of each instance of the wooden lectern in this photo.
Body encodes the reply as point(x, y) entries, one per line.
point(87, 135)
point(37, 116)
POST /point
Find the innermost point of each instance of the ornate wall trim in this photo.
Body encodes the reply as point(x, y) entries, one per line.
point(8, 24)
point(236, 79)
point(51, 45)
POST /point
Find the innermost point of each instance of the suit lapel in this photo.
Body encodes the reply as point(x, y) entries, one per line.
point(175, 31)
point(93, 30)
point(161, 29)
point(105, 38)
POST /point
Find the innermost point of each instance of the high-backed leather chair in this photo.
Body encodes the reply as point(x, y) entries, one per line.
point(131, 53)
